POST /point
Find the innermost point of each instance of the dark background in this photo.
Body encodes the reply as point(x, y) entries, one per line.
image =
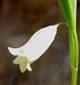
point(19, 19)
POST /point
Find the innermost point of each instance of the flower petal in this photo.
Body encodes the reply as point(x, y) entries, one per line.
point(29, 67)
point(40, 42)
point(37, 44)
point(14, 51)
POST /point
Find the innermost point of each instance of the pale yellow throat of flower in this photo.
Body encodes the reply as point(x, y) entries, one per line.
point(23, 63)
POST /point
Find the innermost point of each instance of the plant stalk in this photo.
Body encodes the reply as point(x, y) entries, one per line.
point(69, 9)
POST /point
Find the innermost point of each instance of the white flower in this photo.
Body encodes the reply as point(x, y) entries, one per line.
point(34, 48)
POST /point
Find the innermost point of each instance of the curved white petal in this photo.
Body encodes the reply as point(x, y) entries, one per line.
point(28, 67)
point(38, 43)
point(14, 51)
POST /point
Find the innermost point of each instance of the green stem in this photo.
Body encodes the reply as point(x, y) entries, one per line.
point(73, 50)
point(69, 9)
